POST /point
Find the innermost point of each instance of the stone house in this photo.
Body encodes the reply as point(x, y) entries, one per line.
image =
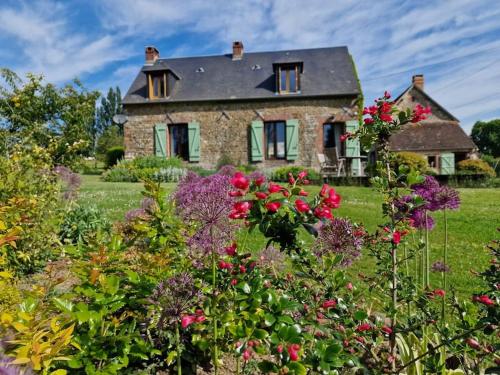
point(439, 138)
point(265, 108)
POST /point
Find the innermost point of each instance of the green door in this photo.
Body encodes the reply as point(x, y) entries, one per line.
point(256, 140)
point(447, 163)
point(194, 141)
point(352, 147)
point(161, 140)
point(292, 139)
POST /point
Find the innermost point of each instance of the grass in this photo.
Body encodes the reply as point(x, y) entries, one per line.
point(470, 228)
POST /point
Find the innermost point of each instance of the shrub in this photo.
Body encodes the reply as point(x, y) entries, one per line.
point(156, 162)
point(146, 168)
point(82, 223)
point(225, 159)
point(471, 166)
point(169, 174)
point(113, 155)
point(493, 162)
point(119, 174)
point(412, 160)
point(281, 174)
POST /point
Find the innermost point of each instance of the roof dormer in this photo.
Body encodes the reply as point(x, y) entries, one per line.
point(288, 77)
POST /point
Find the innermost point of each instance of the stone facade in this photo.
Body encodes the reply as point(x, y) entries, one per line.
point(224, 127)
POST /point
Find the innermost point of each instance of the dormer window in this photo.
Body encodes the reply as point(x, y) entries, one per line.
point(288, 78)
point(158, 85)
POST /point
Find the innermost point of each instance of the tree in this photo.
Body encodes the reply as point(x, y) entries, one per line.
point(486, 135)
point(33, 113)
point(110, 105)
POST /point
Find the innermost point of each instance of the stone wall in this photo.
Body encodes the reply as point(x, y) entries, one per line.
point(224, 127)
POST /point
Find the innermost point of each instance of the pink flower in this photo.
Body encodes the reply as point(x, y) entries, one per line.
point(291, 180)
point(239, 181)
point(323, 212)
point(349, 286)
point(187, 320)
point(280, 348)
point(231, 250)
point(385, 117)
point(200, 319)
point(261, 195)
point(474, 344)
point(237, 193)
point(329, 304)
point(274, 188)
point(234, 282)
point(243, 269)
point(259, 180)
point(372, 110)
point(293, 352)
point(420, 113)
point(485, 300)
point(439, 292)
point(302, 175)
point(273, 206)
point(303, 193)
point(224, 265)
point(333, 200)
point(363, 327)
point(368, 121)
point(240, 210)
point(302, 206)
point(387, 330)
point(387, 95)
point(344, 137)
point(246, 355)
point(396, 237)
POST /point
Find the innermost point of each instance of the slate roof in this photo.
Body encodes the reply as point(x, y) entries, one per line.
point(326, 72)
point(431, 136)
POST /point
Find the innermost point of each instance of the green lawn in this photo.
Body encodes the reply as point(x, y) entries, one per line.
point(470, 228)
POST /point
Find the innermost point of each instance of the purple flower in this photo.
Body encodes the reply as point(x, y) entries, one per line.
point(420, 221)
point(428, 190)
point(447, 198)
point(175, 296)
point(227, 170)
point(71, 179)
point(205, 203)
point(7, 368)
point(135, 214)
point(337, 236)
point(439, 266)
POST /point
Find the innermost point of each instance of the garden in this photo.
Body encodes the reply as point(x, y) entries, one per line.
point(237, 272)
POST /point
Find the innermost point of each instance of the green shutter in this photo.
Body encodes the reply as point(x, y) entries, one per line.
point(256, 137)
point(292, 139)
point(352, 147)
point(447, 163)
point(194, 141)
point(161, 140)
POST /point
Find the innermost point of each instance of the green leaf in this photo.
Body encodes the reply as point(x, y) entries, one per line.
point(260, 334)
point(360, 315)
point(245, 287)
point(297, 368)
point(332, 351)
point(269, 319)
point(64, 305)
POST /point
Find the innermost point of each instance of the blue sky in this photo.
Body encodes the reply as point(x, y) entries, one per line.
point(454, 43)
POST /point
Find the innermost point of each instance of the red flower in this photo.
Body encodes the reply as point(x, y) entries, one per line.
point(485, 300)
point(323, 212)
point(239, 181)
point(329, 304)
point(261, 195)
point(302, 175)
point(243, 269)
point(368, 121)
point(396, 237)
point(386, 107)
point(385, 117)
point(291, 180)
point(259, 180)
point(237, 193)
point(273, 206)
point(224, 265)
point(187, 320)
point(363, 327)
point(372, 110)
point(344, 137)
point(199, 312)
point(387, 95)
point(240, 210)
point(285, 193)
point(333, 200)
point(303, 193)
point(302, 206)
point(234, 282)
point(293, 352)
point(280, 348)
point(246, 355)
point(387, 330)
point(200, 319)
point(439, 292)
point(274, 188)
point(231, 250)
point(324, 190)
point(420, 113)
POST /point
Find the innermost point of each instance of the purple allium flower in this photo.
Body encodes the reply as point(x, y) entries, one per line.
point(135, 214)
point(447, 198)
point(175, 296)
point(272, 258)
point(439, 266)
point(148, 205)
point(428, 190)
point(205, 202)
point(7, 368)
point(337, 237)
point(419, 220)
point(71, 179)
point(227, 170)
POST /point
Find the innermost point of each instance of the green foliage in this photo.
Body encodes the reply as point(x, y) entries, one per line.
point(146, 167)
point(478, 166)
point(110, 105)
point(83, 223)
point(493, 162)
point(114, 155)
point(225, 159)
point(486, 136)
point(38, 114)
point(411, 160)
point(109, 138)
point(29, 210)
point(281, 174)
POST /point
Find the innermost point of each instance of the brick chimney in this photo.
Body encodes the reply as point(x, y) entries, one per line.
point(237, 50)
point(152, 55)
point(418, 81)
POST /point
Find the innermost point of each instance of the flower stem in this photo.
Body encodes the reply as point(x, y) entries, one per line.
point(178, 347)
point(445, 263)
point(427, 251)
point(215, 350)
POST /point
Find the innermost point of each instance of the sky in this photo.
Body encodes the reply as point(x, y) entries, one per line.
point(454, 43)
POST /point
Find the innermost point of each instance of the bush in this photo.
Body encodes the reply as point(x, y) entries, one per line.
point(493, 162)
point(113, 155)
point(281, 174)
point(156, 162)
point(82, 223)
point(120, 174)
point(471, 166)
point(169, 174)
point(412, 160)
point(146, 167)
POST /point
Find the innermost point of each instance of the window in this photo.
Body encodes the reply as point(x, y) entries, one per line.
point(178, 141)
point(331, 135)
point(158, 85)
point(275, 139)
point(288, 79)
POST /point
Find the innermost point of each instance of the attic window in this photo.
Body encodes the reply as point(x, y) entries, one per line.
point(200, 70)
point(288, 77)
point(158, 85)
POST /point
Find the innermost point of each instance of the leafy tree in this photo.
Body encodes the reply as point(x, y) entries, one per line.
point(110, 105)
point(486, 135)
point(34, 113)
